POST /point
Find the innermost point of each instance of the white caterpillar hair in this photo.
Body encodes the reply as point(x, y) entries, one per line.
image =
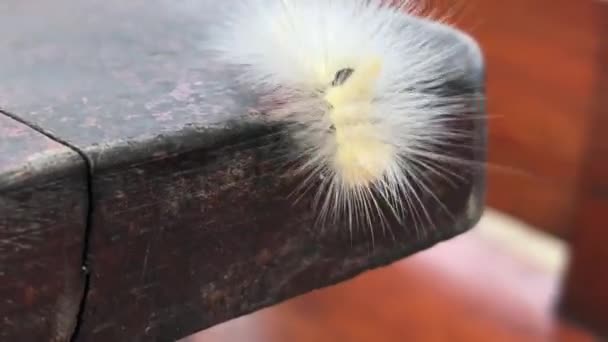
point(360, 86)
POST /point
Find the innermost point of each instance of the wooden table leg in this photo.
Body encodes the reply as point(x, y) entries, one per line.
point(585, 297)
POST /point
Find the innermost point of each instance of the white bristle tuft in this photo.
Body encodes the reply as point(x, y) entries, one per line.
point(356, 80)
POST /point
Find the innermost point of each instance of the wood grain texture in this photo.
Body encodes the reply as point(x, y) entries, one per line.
point(585, 297)
point(541, 60)
point(471, 289)
point(204, 236)
point(43, 205)
point(191, 219)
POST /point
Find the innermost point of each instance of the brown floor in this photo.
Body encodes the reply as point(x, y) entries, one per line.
point(468, 289)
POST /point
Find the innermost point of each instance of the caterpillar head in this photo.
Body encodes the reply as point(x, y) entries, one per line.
point(361, 156)
point(361, 86)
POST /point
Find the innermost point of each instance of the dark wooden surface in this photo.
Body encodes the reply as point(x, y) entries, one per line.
point(43, 204)
point(514, 302)
point(585, 297)
point(190, 223)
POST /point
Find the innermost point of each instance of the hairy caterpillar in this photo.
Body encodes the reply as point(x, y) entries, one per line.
point(365, 93)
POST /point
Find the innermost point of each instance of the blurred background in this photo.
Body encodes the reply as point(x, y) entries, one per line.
point(534, 269)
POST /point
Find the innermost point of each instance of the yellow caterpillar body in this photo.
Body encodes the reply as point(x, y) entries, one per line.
point(360, 84)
